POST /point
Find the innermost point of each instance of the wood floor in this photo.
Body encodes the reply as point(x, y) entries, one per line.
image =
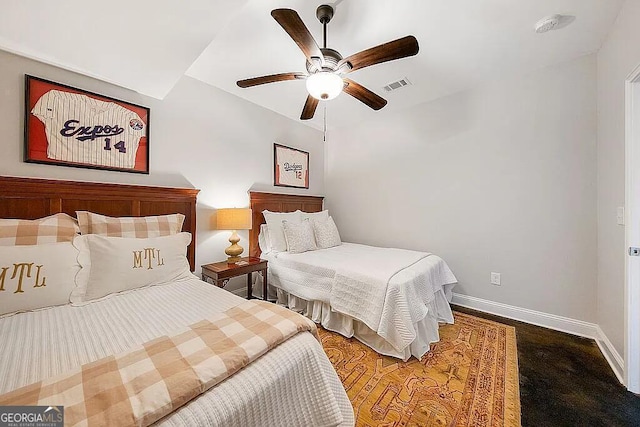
point(566, 381)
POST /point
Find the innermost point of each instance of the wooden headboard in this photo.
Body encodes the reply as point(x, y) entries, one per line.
point(28, 198)
point(276, 203)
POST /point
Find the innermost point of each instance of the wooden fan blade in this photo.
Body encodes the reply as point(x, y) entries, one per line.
point(397, 49)
point(309, 108)
point(269, 79)
point(364, 95)
point(291, 22)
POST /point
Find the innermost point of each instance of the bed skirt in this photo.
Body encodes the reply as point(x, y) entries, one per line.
point(439, 311)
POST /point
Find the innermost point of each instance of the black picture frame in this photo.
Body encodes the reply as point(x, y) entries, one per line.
point(60, 128)
point(290, 167)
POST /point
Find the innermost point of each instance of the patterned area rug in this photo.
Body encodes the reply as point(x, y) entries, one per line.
point(469, 378)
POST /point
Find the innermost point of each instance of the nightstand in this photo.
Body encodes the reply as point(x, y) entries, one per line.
point(221, 272)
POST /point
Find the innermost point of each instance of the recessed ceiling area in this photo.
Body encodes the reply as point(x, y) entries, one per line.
point(149, 45)
point(462, 44)
point(143, 45)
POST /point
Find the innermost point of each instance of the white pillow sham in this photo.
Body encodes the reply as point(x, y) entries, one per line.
point(117, 264)
point(299, 236)
point(36, 276)
point(326, 234)
point(276, 232)
point(315, 216)
point(263, 239)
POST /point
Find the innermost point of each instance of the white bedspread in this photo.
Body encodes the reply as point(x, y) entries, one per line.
point(389, 290)
point(292, 385)
point(362, 278)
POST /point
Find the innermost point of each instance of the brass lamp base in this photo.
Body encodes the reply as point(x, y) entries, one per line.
point(235, 250)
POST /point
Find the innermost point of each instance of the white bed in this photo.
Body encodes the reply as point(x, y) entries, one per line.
point(390, 299)
point(292, 385)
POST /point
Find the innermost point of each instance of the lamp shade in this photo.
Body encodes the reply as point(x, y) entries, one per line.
point(324, 85)
point(233, 219)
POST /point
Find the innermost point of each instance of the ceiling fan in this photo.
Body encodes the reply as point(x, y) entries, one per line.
point(326, 68)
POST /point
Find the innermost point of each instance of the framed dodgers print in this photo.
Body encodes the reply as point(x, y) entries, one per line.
point(72, 127)
point(290, 167)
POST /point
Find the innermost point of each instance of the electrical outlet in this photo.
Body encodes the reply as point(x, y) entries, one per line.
point(620, 215)
point(495, 279)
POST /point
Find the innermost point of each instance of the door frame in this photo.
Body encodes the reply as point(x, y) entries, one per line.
point(632, 233)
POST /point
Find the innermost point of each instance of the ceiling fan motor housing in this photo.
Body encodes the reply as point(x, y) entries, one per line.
point(331, 59)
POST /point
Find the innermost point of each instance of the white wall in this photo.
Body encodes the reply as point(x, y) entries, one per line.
point(200, 137)
point(618, 57)
point(500, 178)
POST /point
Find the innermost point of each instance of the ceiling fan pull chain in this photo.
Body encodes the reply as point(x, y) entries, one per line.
point(324, 130)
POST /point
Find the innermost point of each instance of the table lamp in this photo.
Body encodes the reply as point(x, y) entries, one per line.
point(233, 219)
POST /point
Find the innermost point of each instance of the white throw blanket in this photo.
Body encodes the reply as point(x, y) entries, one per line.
point(360, 287)
point(370, 284)
point(407, 301)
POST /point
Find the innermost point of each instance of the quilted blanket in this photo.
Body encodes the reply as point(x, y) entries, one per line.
point(142, 385)
point(361, 282)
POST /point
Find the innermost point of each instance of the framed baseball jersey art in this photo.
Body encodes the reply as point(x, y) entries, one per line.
point(290, 167)
point(72, 127)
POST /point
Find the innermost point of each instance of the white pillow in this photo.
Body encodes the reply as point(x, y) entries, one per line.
point(315, 216)
point(276, 233)
point(36, 276)
point(264, 242)
point(116, 264)
point(299, 236)
point(326, 234)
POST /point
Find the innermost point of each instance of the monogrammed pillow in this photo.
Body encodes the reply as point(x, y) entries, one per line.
point(299, 236)
point(141, 227)
point(117, 264)
point(37, 276)
point(326, 234)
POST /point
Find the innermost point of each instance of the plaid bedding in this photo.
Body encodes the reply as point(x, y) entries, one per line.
point(51, 229)
point(142, 385)
point(138, 227)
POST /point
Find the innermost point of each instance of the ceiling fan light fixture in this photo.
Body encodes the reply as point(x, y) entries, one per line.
point(324, 85)
point(326, 67)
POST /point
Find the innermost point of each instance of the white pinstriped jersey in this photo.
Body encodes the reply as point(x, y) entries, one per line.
point(85, 130)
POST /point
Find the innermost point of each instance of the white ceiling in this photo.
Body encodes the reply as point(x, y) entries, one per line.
point(147, 45)
point(144, 45)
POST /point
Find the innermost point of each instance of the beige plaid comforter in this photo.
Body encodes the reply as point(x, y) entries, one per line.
point(142, 385)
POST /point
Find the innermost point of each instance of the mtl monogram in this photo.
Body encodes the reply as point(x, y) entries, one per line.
point(150, 255)
point(22, 271)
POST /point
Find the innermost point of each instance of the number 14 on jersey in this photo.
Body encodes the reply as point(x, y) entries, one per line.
point(118, 146)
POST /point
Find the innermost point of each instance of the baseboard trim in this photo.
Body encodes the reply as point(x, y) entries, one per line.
point(550, 321)
point(611, 354)
point(546, 320)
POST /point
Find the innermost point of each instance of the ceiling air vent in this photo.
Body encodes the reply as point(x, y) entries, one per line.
point(399, 84)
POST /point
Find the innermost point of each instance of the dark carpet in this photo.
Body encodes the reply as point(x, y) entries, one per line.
point(566, 381)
